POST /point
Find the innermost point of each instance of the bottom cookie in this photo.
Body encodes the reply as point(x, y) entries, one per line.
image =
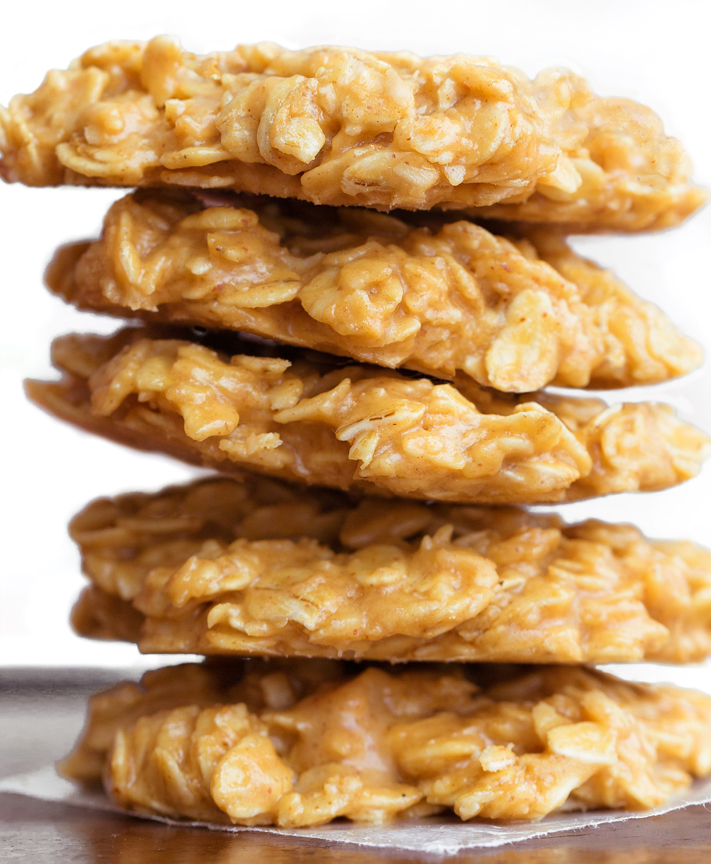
point(297, 743)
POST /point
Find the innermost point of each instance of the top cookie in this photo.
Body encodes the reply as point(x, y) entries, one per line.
point(342, 126)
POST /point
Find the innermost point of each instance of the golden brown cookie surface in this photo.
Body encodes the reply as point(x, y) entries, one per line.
point(271, 746)
point(342, 126)
point(360, 428)
point(444, 299)
point(261, 567)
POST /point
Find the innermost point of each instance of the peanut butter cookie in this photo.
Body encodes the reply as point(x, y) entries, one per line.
point(262, 567)
point(363, 428)
point(270, 745)
point(513, 315)
point(343, 126)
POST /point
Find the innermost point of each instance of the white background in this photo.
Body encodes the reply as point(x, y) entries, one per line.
point(656, 52)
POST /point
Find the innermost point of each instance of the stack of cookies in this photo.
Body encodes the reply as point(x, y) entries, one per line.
point(348, 280)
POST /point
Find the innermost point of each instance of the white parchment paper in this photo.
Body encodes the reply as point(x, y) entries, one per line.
point(433, 836)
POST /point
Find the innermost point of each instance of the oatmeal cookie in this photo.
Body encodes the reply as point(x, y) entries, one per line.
point(262, 567)
point(362, 428)
point(343, 126)
point(262, 746)
point(512, 315)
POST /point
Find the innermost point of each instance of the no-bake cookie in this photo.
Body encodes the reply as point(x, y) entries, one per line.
point(343, 126)
point(363, 428)
point(450, 298)
point(262, 567)
point(272, 745)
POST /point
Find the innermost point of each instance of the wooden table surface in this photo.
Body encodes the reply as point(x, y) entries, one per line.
point(41, 713)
